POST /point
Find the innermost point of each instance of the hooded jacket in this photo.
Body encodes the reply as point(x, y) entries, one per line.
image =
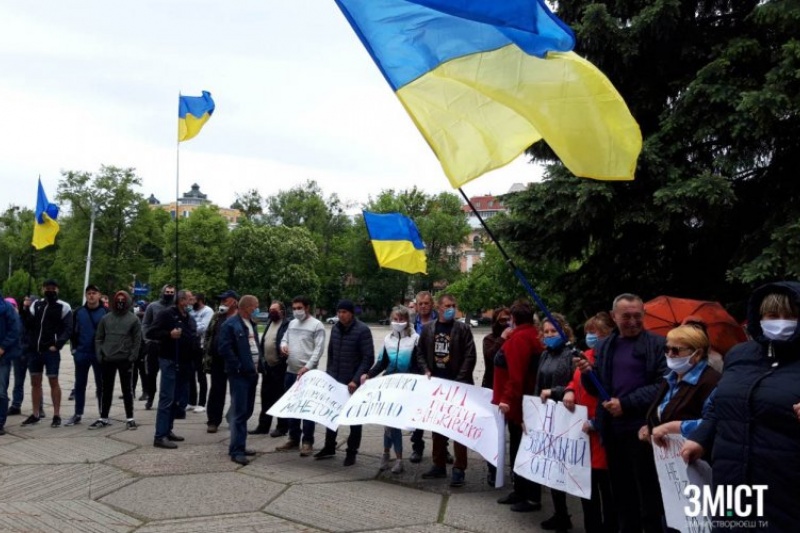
point(751, 430)
point(153, 309)
point(48, 323)
point(119, 334)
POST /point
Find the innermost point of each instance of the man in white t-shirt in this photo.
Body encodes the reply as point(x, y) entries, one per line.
point(239, 347)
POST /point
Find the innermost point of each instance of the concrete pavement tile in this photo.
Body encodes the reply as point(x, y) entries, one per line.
point(355, 506)
point(62, 450)
point(289, 467)
point(185, 496)
point(76, 516)
point(42, 430)
point(144, 435)
point(9, 437)
point(60, 482)
point(227, 524)
point(425, 528)
point(150, 461)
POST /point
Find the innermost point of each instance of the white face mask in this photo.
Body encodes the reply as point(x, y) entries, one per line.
point(223, 309)
point(779, 330)
point(299, 314)
point(398, 327)
point(681, 365)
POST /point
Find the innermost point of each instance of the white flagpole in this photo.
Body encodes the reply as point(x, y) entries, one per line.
point(89, 253)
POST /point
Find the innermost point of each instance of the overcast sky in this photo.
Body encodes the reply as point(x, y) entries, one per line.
point(96, 82)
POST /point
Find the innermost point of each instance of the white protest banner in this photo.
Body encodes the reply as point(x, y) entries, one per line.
point(459, 411)
point(314, 396)
point(673, 476)
point(554, 450)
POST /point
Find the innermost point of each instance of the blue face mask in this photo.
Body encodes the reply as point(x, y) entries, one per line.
point(449, 314)
point(553, 342)
point(591, 339)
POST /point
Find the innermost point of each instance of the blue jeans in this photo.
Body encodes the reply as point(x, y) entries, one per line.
point(393, 438)
point(20, 365)
point(243, 399)
point(166, 398)
point(294, 423)
point(83, 362)
point(5, 376)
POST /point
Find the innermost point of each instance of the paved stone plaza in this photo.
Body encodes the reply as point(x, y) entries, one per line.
point(71, 479)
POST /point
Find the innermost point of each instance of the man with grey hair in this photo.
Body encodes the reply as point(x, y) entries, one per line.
point(176, 332)
point(630, 364)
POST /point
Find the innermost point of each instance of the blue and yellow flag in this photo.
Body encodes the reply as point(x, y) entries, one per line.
point(45, 226)
point(193, 113)
point(483, 80)
point(396, 241)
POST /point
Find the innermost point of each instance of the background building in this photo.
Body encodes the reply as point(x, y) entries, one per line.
point(192, 200)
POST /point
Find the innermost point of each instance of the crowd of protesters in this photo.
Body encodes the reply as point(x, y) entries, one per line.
point(637, 386)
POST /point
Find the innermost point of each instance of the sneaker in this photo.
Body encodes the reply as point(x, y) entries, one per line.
point(259, 430)
point(287, 446)
point(148, 405)
point(275, 433)
point(436, 472)
point(72, 395)
point(73, 420)
point(189, 407)
point(42, 414)
point(510, 499)
point(143, 397)
point(416, 457)
point(457, 478)
point(31, 420)
point(99, 424)
point(13, 411)
point(398, 467)
point(164, 443)
point(199, 409)
point(325, 453)
point(525, 506)
point(212, 428)
point(131, 425)
point(557, 522)
point(450, 459)
point(56, 423)
point(306, 450)
point(385, 462)
point(349, 459)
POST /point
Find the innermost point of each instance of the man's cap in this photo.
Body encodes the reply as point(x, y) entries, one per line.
point(346, 305)
point(228, 294)
point(91, 287)
point(52, 282)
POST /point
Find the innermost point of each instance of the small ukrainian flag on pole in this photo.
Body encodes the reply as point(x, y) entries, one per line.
point(45, 227)
point(396, 242)
point(193, 113)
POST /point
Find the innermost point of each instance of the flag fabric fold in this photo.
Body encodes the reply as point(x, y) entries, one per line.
point(396, 242)
point(193, 113)
point(483, 80)
point(45, 226)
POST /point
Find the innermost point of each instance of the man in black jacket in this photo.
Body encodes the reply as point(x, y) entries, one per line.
point(272, 368)
point(629, 364)
point(176, 333)
point(213, 364)
point(350, 355)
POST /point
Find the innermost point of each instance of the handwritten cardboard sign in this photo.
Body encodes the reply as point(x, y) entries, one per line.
point(554, 450)
point(314, 396)
point(674, 475)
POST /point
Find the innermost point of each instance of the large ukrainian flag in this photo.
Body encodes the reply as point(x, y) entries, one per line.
point(396, 241)
point(193, 113)
point(485, 79)
point(45, 227)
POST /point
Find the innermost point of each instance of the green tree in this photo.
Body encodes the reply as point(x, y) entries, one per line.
point(713, 85)
point(250, 203)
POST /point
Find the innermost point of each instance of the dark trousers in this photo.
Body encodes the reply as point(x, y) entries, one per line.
point(165, 418)
point(84, 362)
point(109, 370)
point(599, 513)
point(634, 482)
point(217, 392)
point(440, 452)
point(243, 399)
point(152, 368)
point(139, 371)
point(417, 442)
point(353, 440)
point(296, 426)
point(198, 383)
point(523, 487)
point(271, 391)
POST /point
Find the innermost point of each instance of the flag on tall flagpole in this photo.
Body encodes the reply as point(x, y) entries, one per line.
point(193, 113)
point(45, 226)
point(483, 80)
point(396, 242)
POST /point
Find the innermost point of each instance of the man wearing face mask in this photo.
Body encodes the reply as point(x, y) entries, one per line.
point(273, 371)
point(350, 355)
point(198, 385)
point(119, 337)
point(447, 350)
point(302, 346)
point(753, 429)
point(49, 325)
point(151, 346)
point(630, 364)
point(213, 363)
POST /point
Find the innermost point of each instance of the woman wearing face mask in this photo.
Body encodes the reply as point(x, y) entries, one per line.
point(555, 372)
point(754, 425)
point(686, 391)
point(398, 355)
point(501, 320)
point(599, 513)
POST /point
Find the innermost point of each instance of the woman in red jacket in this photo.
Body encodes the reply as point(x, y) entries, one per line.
point(515, 367)
point(599, 514)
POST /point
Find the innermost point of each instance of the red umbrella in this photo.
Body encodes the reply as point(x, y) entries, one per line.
point(664, 313)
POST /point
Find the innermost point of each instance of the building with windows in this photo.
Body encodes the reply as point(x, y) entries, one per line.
point(192, 200)
point(487, 206)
